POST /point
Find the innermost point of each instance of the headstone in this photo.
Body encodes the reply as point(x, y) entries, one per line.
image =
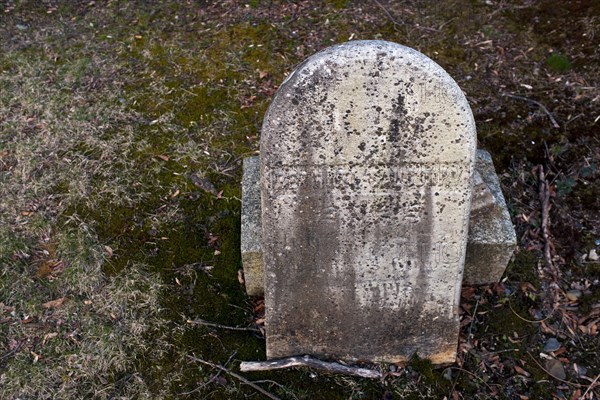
point(367, 157)
point(490, 243)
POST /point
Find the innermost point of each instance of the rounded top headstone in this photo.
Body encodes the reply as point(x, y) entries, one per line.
point(387, 93)
point(367, 155)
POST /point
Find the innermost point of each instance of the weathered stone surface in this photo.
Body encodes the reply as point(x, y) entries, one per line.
point(367, 156)
point(251, 238)
point(492, 238)
point(482, 197)
point(486, 210)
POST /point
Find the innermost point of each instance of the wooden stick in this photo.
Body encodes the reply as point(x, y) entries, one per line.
point(212, 324)
point(211, 380)
point(237, 376)
point(545, 202)
point(307, 361)
point(591, 386)
point(537, 103)
point(577, 385)
point(13, 351)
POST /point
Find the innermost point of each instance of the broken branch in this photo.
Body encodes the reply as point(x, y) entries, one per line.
point(237, 376)
point(537, 103)
point(307, 361)
point(550, 374)
point(545, 202)
point(591, 386)
point(212, 324)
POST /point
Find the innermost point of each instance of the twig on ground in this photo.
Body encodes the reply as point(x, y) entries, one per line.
point(549, 374)
point(462, 356)
point(13, 351)
point(545, 203)
point(390, 17)
point(396, 23)
point(591, 386)
point(537, 103)
point(307, 361)
point(531, 321)
point(474, 376)
point(212, 324)
point(211, 380)
point(237, 376)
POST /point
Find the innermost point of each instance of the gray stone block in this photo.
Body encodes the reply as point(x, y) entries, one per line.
point(251, 237)
point(492, 238)
point(490, 243)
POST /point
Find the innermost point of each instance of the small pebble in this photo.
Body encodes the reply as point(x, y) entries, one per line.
point(573, 295)
point(551, 345)
point(447, 374)
point(580, 370)
point(593, 256)
point(556, 369)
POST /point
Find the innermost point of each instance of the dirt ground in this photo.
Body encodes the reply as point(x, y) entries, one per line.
point(122, 129)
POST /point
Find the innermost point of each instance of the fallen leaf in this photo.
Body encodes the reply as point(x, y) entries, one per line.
point(240, 276)
point(43, 271)
point(36, 357)
point(13, 344)
point(560, 351)
point(219, 380)
point(546, 329)
point(521, 371)
point(109, 251)
point(163, 157)
point(54, 303)
point(48, 267)
point(262, 74)
point(247, 102)
point(212, 239)
point(576, 395)
point(527, 286)
point(468, 292)
point(259, 307)
point(49, 336)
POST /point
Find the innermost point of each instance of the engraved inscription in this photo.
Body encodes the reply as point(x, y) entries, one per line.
point(288, 178)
